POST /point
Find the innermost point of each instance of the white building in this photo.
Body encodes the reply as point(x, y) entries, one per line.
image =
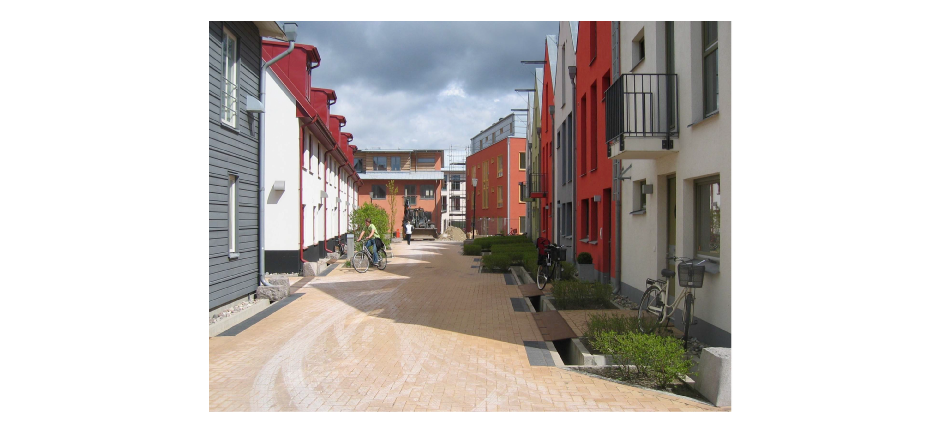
point(453, 191)
point(675, 85)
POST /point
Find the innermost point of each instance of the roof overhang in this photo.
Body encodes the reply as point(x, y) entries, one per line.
point(270, 29)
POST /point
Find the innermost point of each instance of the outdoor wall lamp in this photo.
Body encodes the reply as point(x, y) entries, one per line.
point(278, 185)
point(647, 189)
point(597, 198)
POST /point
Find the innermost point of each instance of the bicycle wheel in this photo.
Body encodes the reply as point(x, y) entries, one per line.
point(541, 276)
point(383, 259)
point(360, 262)
point(648, 319)
point(687, 317)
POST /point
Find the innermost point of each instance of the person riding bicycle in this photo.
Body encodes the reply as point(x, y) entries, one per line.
point(370, 242)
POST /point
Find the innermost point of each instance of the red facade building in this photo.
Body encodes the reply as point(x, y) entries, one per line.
point(593, 200)
point(497, 202)
point(547, 150)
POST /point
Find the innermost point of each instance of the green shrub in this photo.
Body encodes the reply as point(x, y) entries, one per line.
point(496, 262)
point(471, 249)
point(379, 218)
point(487, 242)
point(598, 323)
point(585, 258)
point(530, 262)
point(567, 271)
point(574, 295)
point(661, 358)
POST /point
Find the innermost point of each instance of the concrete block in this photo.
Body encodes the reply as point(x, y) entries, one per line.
point(278, 280)
point(714, 375)
point(272, 293)
point(310, 269)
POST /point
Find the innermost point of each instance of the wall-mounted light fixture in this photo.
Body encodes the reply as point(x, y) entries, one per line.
point(278, 185)
point(597, 198)
point(647, 189)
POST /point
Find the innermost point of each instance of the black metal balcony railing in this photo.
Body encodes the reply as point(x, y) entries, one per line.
point(537, 184)
point(642, 105)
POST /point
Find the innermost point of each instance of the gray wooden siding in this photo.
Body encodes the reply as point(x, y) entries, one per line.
point(233, 152)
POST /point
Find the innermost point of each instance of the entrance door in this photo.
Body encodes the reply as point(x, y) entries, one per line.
point(671, 228)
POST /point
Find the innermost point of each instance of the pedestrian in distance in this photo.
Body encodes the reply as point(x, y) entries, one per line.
point(370, 241)
point(408, 228)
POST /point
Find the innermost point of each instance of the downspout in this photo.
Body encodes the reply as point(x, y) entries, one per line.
point(291, 32)
point(572, 73)
point(618, 186)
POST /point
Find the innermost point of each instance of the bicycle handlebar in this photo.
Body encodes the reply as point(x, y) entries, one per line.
point(686, 260)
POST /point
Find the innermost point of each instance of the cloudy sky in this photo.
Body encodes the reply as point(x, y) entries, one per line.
point(424, 85)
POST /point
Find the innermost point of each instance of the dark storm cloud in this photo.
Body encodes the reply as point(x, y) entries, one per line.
point(424, 57)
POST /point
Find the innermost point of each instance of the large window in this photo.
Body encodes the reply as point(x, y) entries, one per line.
point(359, 165)
point(427, 191)
point(499, 166)
point(396, 163)
point(499, 196)
point(411, 194)
point(444, 206)
point(233, 215)
point(378, 191)
point(229, 78)
point(522, 161)
point(455, 182)
point(710, 65)
point(379, 164)
point(521, 192)
point(455, 203)
point(708, 217)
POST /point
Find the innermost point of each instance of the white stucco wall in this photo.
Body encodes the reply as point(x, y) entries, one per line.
point(703, 149)
point(281, 137)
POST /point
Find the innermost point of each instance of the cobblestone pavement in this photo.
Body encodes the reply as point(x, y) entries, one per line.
point(429, 333)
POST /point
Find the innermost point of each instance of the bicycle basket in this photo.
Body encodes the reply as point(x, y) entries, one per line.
point(690, 276)
point(561, 254)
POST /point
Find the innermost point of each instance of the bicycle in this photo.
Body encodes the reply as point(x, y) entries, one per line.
point(549, 270)
point(363, 258)
point(655, 301)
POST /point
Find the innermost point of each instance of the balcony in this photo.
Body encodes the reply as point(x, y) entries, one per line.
point(538, 185)
point(642, 116)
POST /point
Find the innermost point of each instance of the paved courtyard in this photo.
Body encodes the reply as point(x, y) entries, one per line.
point(429, 333)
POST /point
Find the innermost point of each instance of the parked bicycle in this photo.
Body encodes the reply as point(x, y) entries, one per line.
point(655, 301)
point(363, 258)
point(548, 269)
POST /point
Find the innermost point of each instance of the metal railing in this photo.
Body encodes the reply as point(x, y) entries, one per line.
point(642, 105)
point(537, 185)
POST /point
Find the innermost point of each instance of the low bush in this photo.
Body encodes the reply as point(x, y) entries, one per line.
point(661, 358)
point(530, 263)
point(496, 262)
point(471, 249)
point(487, 242)
point(585, 258)
point(599, 323)
point(567, 271)
point(575, 295)
point(506, 248)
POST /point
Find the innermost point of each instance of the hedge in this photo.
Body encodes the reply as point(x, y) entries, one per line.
point(496, 262)
point(573, 295)
point(471, 249)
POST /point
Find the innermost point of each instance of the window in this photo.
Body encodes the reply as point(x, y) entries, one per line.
point(594, 220)
point(444, 184)
point(708, 217)
point(378, 191)
point(710, 65)
point(568, 218)
point(396, 163)
point(500, 130)
point(570, 144)
point(229, 78)
point(583, 233)
point(427, 191)
point(521, 223)
point(378, 164)
point(359, 165)
point(639, 49)
point(305, 161)
point(521, 192)
point(444, 206)
point(499, 166)
point(639, 198)
point(499, 196)
point(671, 69)
point(233, 216)
point(455, 182)
point(593, 143)
point(423, 160)
point(522, 161)
point(455, 203)
point(411, 194)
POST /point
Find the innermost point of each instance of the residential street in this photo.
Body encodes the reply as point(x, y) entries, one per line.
point(429, 333)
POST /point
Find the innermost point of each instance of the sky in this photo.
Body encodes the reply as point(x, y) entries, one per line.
point(424, 85)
